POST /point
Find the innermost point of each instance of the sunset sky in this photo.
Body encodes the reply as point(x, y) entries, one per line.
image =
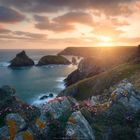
point(50, 24)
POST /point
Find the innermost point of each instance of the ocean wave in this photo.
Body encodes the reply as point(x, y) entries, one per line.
point(38, 102)
point(60, 79)
point(61, 86)
point(4, 64)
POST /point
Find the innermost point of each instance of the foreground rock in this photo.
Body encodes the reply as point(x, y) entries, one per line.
point(59, 107)
point(21, 60)
point(112, 115)
point(52, 59)
point(126, 94)
point(78, 128)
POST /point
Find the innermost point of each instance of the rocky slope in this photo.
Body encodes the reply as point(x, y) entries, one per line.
point(87, 67)
point(112, 116)
point(52, 59)
point(49, 121)
point(101, 60)
point(100, 83)
point(21, 59)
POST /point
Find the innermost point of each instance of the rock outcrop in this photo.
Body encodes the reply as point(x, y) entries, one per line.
point(126, 94)
point(21, 60)
point(74, 61)
point(52, 59)
point(59, 107)
point(112, 115)
point(87, 67)
point(101, 83)
point(78, 127)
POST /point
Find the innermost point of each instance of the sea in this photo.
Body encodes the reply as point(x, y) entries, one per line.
point(31, 83)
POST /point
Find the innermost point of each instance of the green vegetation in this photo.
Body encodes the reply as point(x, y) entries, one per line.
point(100, 83)
point(53, 59)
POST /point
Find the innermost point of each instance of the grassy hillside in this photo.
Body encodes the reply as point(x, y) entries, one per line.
point(100, 83)
point(99, 51)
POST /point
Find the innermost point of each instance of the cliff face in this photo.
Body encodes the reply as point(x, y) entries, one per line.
point(97, 60)
point(99, 51)
point(100, 83)
point(87, 67)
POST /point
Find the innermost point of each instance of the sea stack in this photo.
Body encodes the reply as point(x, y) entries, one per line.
point(53, 59)
point(21, 60)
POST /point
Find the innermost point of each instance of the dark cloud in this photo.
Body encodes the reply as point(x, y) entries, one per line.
point(43, 23)
point(8, 15)
point(8, 34)
point(106, 6)
point(63, 23)
point(5, 31)
point(75, 17)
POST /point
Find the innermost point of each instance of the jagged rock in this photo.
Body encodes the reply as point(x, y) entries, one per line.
point(78, 128)
point(52, 59)
point(25, 135)
point(126, 94)
point(74, 61)
point(46, 96)
point(21, 59)
point(4, 133)
point(17, 120)
point(86, 68)
point(59, 106)
point(6, 96)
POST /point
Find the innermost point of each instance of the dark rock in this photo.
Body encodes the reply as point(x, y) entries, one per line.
point(52, 59)
point(74, 61)
point(6, 96)
point(17, 119)
point(87, 67)
point(21, 60)
point(4, 132)
point(59, 107)
point(51, 95)
point(44, 97)
point(78, 128)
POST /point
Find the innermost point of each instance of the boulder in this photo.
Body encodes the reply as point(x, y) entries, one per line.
point(58, 107)
point(15, 121)
point(53, 59)
point(126, 94)
point(78, 128)
point(21, 60)
point(4, 133)
point(46, 96)
point(25, 135)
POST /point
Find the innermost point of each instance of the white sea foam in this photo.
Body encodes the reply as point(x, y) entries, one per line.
point(38, 102)
point(61, 86)
point(4, 64)
point(60, 79)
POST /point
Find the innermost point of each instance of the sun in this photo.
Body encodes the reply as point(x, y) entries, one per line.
point(106, 41)
point(105, 38)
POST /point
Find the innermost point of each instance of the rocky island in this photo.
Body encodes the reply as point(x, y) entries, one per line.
point(21, 60)
point(53, 59)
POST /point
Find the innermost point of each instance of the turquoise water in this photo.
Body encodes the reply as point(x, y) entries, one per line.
point(33, 82)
